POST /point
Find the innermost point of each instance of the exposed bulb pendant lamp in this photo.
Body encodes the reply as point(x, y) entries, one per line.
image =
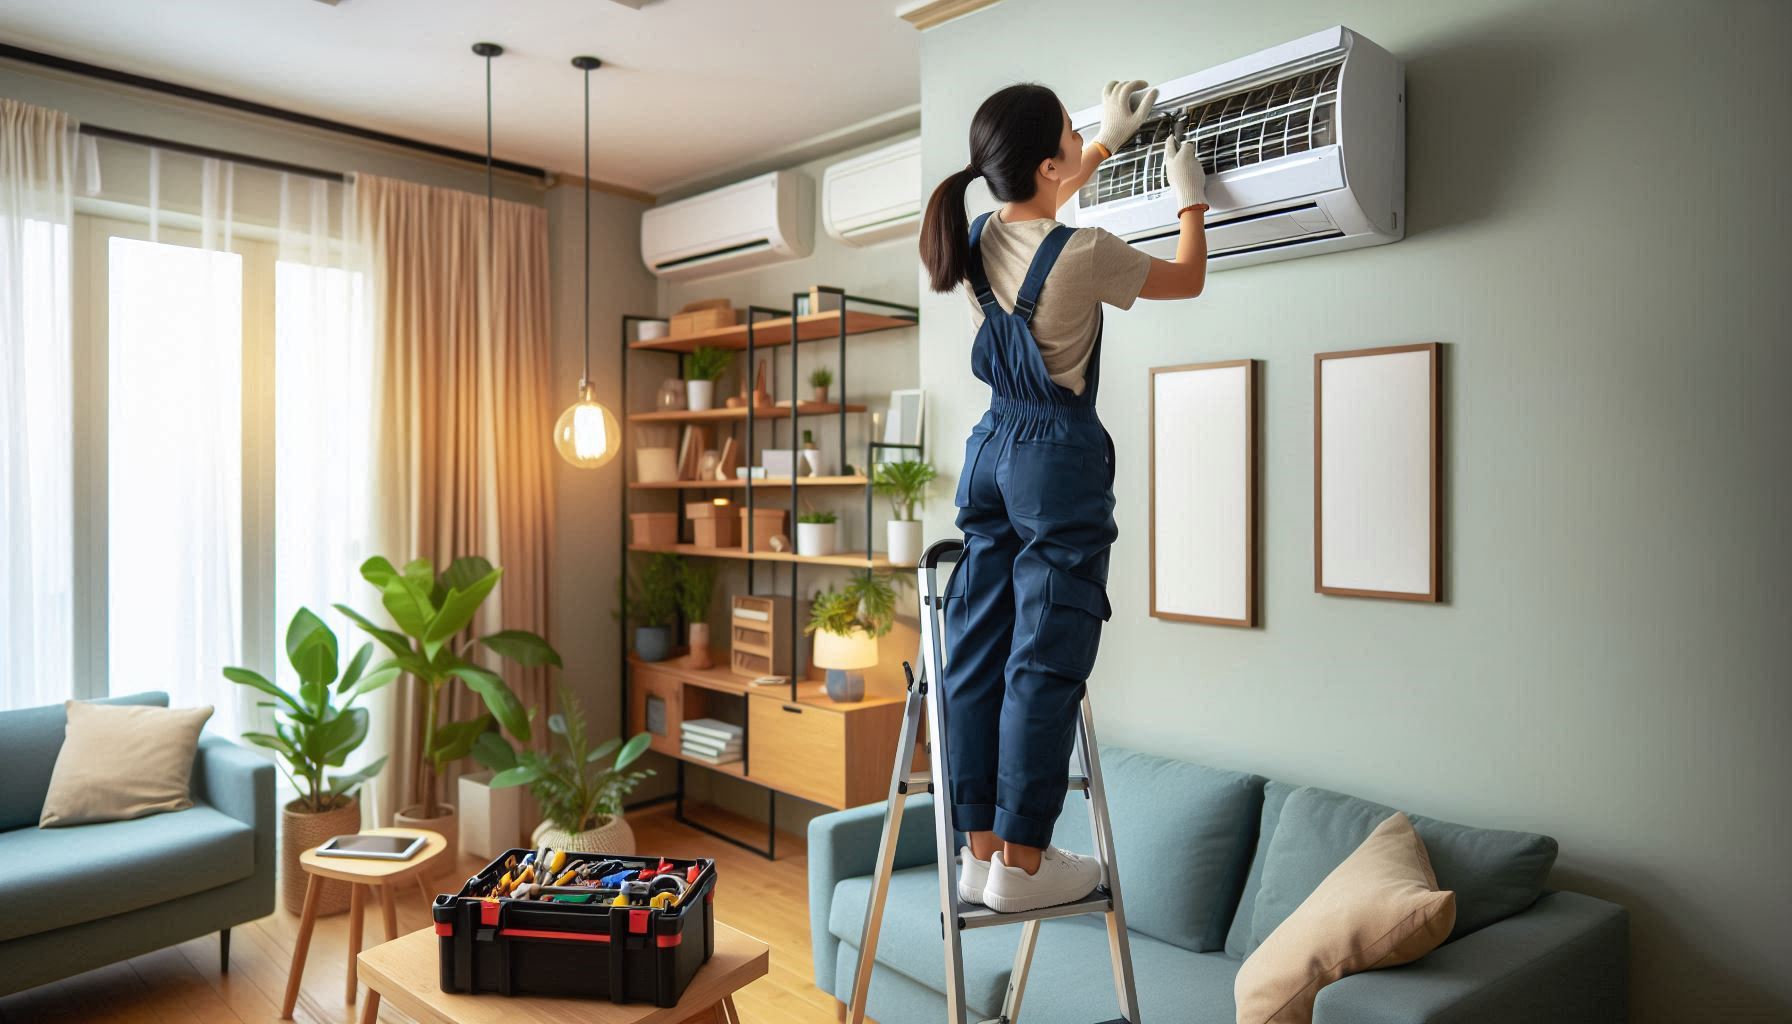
point(587, 434)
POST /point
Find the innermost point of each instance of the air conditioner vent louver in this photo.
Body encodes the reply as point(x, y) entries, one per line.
point(1289, 115)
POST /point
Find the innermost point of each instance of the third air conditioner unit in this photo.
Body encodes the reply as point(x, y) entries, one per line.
point(1304, 145)
point(750, 223)
point(875, 196)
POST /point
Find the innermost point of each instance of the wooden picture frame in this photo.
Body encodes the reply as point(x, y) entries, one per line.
point(1376, 484)
point(1203, 463)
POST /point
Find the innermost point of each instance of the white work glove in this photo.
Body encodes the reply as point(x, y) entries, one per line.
point(1123, 110)
point(1182, 169)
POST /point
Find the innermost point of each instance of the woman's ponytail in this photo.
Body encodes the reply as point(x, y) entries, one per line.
point(1014, 131)
point(945, 233)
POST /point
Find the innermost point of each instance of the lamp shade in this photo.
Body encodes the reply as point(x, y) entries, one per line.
point(857, 650)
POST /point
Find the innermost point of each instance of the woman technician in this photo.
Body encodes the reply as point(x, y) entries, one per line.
point(1024, 608)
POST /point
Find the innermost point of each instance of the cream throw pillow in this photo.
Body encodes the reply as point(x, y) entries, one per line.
point(1380, 908)
point(122, 761)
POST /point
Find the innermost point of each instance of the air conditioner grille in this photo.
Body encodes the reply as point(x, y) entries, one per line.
point(1289, 115)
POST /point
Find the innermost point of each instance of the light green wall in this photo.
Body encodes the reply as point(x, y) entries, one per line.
point(1597, 204)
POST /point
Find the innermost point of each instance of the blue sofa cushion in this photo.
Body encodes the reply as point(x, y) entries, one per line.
point(1238, 937)
point(1494, 873)
point(1070, 979)
point(53, 878)
point(31, 738)
point(1183, 835)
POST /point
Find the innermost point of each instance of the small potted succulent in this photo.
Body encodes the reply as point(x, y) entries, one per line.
point(904, 483)
point(846, 624)
point(312, 734)
point(817, 533)
point(580, 798)
point(820, 379)
point(702, 368)
point(696, 585)
point(651, 603)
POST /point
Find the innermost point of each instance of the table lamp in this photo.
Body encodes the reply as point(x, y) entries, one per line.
point(845, 658)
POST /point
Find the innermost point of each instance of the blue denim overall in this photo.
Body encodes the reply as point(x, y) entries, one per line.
point(1024, 609)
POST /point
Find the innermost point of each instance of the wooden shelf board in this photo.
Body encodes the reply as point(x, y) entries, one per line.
point(734, 768)
point(776, 331)
point(724, 415)
point(849, 561)
point(716, 677)
point(762, 483)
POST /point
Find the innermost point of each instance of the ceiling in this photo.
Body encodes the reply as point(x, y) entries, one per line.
point(688, 87)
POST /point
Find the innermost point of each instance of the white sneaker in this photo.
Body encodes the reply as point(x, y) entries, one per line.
point(973, 875)
point(1062, 877)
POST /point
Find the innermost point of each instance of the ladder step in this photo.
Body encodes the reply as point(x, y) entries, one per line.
point(924, 779)
point(1096, 902)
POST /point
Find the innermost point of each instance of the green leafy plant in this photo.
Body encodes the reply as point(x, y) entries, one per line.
point(904, 483)
point(696, 586)
point(575, 790)
point(812, 516)
point(706, 362)
point(821, 377)
point(867, 602)
point(653, 598)
point(431, 612)
point(311, 734)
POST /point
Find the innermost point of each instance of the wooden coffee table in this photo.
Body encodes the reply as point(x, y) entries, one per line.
point(407, 971)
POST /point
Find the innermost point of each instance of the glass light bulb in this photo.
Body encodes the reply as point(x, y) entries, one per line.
point(587, 434)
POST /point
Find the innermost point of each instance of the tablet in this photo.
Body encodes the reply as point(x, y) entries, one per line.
point(373, 847)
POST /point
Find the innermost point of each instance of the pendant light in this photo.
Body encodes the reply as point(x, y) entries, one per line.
point(587, 434)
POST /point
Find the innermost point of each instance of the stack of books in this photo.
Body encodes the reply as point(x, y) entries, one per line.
point(710, 741)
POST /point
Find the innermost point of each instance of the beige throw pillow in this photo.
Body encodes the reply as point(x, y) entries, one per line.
point(122, 761)
point(1380, 908)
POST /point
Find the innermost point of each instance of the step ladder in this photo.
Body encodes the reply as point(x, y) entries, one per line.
point(956, 916)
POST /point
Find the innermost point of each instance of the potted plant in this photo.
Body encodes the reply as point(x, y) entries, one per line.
point(702, 368)
point(651, 603)
point(819, 380)
point(581, 800)
point(696, 585)
point(817, 533)
point(904, 483)
point(312, 735)
point(846, 624)
point(431, 611)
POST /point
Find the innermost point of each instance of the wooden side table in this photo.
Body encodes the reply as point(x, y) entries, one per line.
point(408, 973)
point(380, 876)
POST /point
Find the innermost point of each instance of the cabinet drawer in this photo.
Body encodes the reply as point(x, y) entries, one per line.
point(797, 749)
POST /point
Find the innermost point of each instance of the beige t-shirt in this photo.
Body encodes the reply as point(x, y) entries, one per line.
point(1096, 266)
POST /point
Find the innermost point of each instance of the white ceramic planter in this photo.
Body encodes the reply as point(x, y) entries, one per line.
point(613, 836)
point(817, 538)
point(905, 542)
point(491, 820)
point(700, 395)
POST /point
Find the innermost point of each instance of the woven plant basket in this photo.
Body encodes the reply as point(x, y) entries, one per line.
point(613, 836)
point(300, 832)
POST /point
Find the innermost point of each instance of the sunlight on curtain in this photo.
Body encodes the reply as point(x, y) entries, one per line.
point(36, 415)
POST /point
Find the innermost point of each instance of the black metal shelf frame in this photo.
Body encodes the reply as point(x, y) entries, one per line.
point(755, 313)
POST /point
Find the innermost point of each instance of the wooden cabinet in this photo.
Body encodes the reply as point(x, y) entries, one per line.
point(834, 754)
point(655, 704)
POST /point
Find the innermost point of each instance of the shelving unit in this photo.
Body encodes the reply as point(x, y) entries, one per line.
point(810, 746)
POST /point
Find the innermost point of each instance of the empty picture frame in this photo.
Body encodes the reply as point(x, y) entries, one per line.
point(1375, 472)
point(1203, 493)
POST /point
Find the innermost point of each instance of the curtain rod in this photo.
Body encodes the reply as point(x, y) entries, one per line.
point(19, 53)
point(206, 151)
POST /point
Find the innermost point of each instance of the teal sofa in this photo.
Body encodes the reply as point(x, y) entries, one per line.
point(1211, 862)
point(84, 896)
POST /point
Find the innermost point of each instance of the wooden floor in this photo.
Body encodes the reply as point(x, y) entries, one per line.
point(182, 984)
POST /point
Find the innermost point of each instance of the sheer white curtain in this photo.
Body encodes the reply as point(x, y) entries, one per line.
point(37, 158)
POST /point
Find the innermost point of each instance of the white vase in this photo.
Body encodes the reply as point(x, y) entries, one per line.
point(700, 395)
point(613, 836)
point(905, 542)
point(812, 456)
point(817, 538)
point(491, 820)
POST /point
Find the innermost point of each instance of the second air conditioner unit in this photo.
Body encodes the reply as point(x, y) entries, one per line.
point(874, 197)
point(1304, 145)
point(767, 219)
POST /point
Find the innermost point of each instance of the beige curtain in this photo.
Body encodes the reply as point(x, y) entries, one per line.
point(464, 423)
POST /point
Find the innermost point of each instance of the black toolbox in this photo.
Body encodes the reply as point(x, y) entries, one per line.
point(593, 950)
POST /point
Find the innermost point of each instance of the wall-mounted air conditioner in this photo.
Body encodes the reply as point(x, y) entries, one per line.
point(1304, 146)
point(768, 219)
point(875, 196)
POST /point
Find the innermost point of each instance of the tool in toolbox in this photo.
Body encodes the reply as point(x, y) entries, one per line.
point(956, 916)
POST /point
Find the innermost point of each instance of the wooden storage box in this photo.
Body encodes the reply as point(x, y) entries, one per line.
point(767, 523)
point(714, 526)
point(653, 529)
point(699, 320)
point(837, 755)
point(759, 635)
